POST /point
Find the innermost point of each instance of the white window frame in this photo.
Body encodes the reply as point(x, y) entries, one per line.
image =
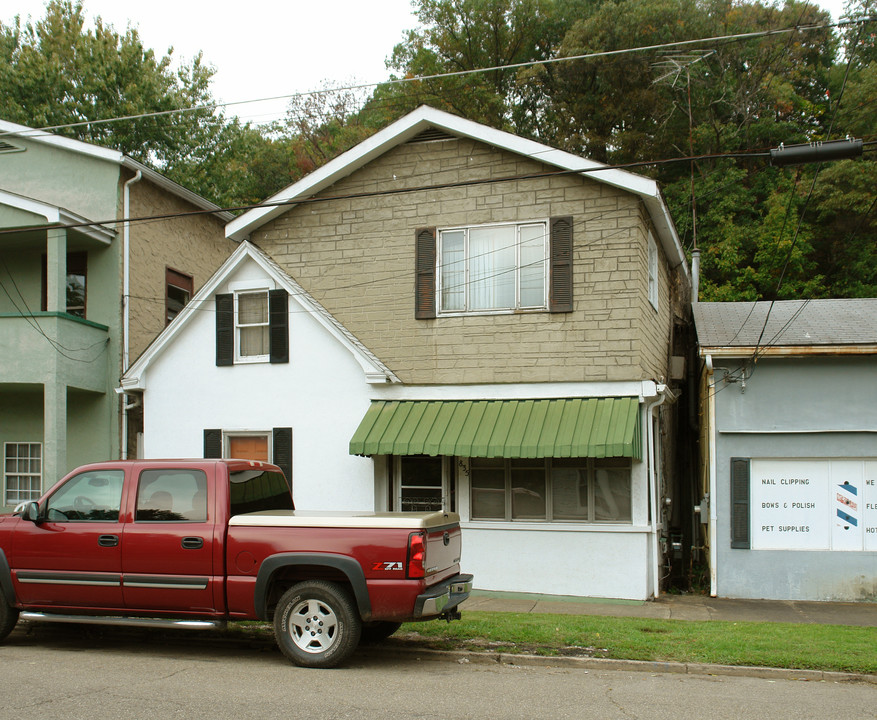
point(29, 475)
point(249, 287)
point(653, 271)
point(398, 487)
point(227, 435)
point(591, 464)
point(466, 272)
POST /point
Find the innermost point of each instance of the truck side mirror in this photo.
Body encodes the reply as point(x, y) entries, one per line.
point(31, 512)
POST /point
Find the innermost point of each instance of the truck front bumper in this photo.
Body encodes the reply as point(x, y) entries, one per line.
point(443, 597)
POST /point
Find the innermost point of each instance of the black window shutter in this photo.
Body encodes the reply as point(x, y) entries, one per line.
point(740, 488)
point(283, 451)
point(213, 443)
point(424, 273)
point(225, 329)
point(278, 318)
point(560, 292)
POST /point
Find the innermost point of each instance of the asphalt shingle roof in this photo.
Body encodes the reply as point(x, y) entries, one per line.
point(791, 323)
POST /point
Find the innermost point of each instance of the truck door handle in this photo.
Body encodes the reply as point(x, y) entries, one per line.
point(192, 543)
point(108, 540)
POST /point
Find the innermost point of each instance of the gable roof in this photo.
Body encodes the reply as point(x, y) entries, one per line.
point(790, 323)
point(425, 118)
point(14, 130)
point(373, 368)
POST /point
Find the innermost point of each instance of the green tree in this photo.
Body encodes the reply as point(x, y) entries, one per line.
point(463, 35)
point(57, 71)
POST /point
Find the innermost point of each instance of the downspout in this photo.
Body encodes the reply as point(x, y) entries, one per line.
point(711, 423)
point(126, 285)
point(695, 275)
point(653, 483)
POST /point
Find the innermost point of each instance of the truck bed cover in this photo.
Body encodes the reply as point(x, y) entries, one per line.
point(314, 518)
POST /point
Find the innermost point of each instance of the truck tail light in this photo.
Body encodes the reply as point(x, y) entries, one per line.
point(416, 555)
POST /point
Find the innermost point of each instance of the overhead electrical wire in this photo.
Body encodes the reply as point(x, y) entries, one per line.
point(117, 221)
point(379, 193)
point(806, 201)
point(439, 76)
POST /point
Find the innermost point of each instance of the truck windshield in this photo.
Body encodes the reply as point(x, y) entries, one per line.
point(255, 490)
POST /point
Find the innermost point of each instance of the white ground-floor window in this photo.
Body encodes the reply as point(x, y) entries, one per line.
point(551, 489)
point(583, 490)
point(422, 483)
point(22, 471)
point(248, 446)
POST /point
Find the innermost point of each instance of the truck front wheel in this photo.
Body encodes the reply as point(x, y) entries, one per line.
point(8, 617)
point(316, 624)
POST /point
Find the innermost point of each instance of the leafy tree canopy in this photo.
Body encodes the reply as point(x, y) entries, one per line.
point(58, 72)
point(760, 234)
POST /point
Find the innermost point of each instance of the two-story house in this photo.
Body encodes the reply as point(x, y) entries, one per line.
point(449, 316)
point(82, 294)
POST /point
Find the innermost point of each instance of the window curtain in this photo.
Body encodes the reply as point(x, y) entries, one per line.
point(253, 322)
point(492, 268)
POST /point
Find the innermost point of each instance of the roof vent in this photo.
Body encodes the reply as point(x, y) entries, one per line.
point(432, 135)
point(7, 147)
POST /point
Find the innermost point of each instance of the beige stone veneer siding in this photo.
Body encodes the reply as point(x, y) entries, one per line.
point(194, 245)
point(356, 256)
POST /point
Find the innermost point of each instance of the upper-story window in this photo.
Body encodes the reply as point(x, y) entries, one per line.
point(653, 272)
point(252, 326)
point(493, 268)
point(75, 283)
point(178, 292)
point(499, 268)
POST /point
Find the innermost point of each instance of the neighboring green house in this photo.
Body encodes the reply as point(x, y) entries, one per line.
point(82, 295)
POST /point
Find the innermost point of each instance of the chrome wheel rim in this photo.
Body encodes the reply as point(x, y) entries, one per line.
point(313, 626)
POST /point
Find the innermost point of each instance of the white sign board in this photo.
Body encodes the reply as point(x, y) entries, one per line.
point(869, 499)
point(813, 504)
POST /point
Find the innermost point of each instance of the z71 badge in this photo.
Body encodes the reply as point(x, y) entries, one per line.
point(388, 565)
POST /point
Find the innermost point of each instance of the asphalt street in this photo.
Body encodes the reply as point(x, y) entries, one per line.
point(81, 673)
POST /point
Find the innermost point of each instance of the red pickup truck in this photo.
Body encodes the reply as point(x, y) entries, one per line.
point(197, 543)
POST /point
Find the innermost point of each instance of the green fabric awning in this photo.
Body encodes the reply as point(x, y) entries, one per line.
point(569, 427)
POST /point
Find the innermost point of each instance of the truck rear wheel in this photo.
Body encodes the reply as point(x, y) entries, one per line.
point(8, 617)
point(316, 624)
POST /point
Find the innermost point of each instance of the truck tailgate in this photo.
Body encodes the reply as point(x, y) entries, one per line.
point(443, 547)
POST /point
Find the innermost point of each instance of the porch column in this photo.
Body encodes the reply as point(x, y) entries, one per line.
point(54, 432)
point(56, 270)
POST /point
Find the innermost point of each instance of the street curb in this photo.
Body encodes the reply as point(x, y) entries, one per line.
point(609, 664)
point(406, 648)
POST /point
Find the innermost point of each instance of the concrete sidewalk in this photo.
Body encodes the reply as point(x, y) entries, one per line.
point(681, 607)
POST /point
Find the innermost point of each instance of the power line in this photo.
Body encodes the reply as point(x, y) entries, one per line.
point(380, 193)
point(806, 202)
point(30, 132)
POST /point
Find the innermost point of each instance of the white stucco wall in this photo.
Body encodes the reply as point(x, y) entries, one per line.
point(321, 393)
point(588, 563)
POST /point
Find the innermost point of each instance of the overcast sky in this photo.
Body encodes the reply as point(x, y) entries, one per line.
point(263, 48)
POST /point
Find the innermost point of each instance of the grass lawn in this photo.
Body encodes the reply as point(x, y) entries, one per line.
point(817, 647)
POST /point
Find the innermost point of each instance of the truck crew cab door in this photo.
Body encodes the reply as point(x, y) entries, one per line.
point(167, 554)
point(71, 557)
